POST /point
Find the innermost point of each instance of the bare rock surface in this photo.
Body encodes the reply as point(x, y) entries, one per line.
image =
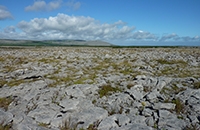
point(99, 88)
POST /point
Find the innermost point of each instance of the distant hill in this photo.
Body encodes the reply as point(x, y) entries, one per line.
point(12, 42)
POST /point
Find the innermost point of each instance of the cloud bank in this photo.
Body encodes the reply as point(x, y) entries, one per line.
point(43, 6)
point(64, 26)
point(4, 13)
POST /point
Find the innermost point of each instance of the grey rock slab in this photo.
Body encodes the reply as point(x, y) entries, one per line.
point(138, 88)
point(169, 106)
point(196, 108)
point(135, 126)
point(28, 124)
point(172, 122)
point(87, 89)
point(147, 112)
point(108, 123)
point(137, 119)
point(193, 119)
point(5, 117)
point(69, 104)
point(43, 114)
point(160, 84)
point(137, 95)
point(121, 119)
point(166, 114)
point(74, 92)
point(73, 105)
point(89, 116)
point(150, 121)
point(152, 96)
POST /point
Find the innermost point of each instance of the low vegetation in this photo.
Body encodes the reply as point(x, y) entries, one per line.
point(192, 127)
point(5, 102)
point(180, 106)
point(197, 85)
point(5, 127)
point(107, 90)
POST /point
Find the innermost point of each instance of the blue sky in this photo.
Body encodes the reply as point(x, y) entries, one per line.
point(122, 22)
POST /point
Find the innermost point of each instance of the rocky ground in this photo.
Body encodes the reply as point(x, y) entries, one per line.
point(99, 88)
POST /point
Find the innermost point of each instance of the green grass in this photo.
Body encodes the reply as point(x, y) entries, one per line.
point(180, 107)
point(15, 82)
point(5, 127)
point(169, 62)
point(5, 102)
point(58, 80)
point(2, 82)
point(107, 90)
point(43, 125)
point(197, 85)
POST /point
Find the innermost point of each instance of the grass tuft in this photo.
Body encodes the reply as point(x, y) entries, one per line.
point(180, 107)
point(197, 85)
point(5, 102)
point(5, 127)
point(107, 90)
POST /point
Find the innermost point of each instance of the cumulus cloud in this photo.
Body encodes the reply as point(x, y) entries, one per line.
point(64, 26)
point(10, 29)
point(4, 13)
point(144, 35)
point(175, 37)
point(75, 27)
point(168, 37)
point(73, 5)
point(43, 6)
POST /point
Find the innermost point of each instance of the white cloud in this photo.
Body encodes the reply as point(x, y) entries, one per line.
point(73, 5)
point(43, 6)
point(74, 27)
point(175, 37)
point(143, 35)
point(4, 13)
point(169, 37)
point(64, 26)
point(10, 29)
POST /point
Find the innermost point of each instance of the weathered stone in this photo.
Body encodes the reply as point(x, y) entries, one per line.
point(134, 126)
point(147, 112)
point(165, 114)
point(69, 104)
point(108, 123)
point(74, 92)
point(169, 106)
point(152, 96)
point(89, 116)
point(150, 121)
point(5, 117)
point(43, 89)
point(172, 122)
point(43, 114)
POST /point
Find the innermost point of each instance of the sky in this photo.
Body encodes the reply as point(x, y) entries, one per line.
point(120, 22)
